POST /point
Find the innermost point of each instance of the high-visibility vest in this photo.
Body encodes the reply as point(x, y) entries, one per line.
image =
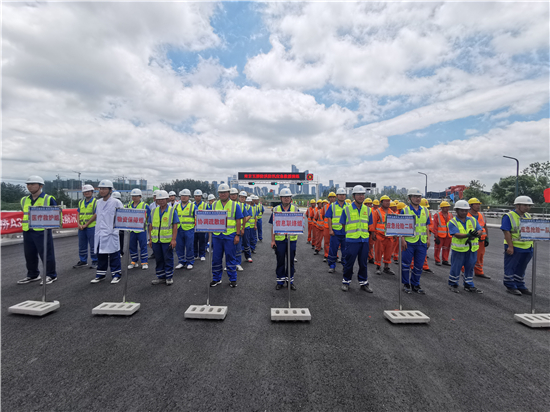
point(26, 203)
point(481, 221)
point(381, 224)
point(231, 208)
point(186, 215)
point(357, 225)
point(420, 230)
point(243, 208)
point(319, 218)
point(259, 209)
point(310, 214)
point(325, 218)
point(201, 206)
point(459, 245)
point(141, 205)
point(87, 212)
point(336, 214)
point(442, 229)
point(252, 220)
point(516, 234)
point(279, 208)
point(161, 231)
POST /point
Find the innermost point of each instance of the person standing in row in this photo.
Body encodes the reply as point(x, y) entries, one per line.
point(336, 231)
point(442, 238)
point(384, 244)
point(243, 241)
point(138, 254)
point(326, 233)
point(163, 231)
point(373, 206)
point(475, 207)
point(249, 227)
point(310, 214)
point(199, 245)
point(319, 226)
point(259, 214)
point(86, 228)
point(186, 231)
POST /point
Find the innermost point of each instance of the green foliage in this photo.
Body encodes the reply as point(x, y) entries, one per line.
point(178, 185)
point(504, 190)
point(12, 193)
point(475, 189)
point(538, 169)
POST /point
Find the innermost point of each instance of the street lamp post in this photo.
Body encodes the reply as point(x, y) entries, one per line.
point(517, 172)
point(426, 187)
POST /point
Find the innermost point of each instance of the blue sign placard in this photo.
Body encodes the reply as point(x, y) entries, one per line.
point(45, 217)
point(210, 220)
point(288, 223)
point(399, 225)
point(535, 229)
point(130, 219)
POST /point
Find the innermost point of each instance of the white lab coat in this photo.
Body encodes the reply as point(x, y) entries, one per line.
point(106, 238)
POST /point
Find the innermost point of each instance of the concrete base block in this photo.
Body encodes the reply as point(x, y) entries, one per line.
point(116, 308)
point(34, 307)
point(293, 314)
point(206, 312)
point(534, 320)
point(406, 316)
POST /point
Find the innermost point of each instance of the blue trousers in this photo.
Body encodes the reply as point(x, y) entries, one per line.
point(164, 257)
point(417, 251)
point(103, 261)
point(140, 237)
point(247, 238)
point(514, 269)
point(335, 241)
point(33, 246)
point(199, 245)
point(282, 252)
point(253, 239)
point(458, 259)
point(185, 247)
point(260, 229)
point(239, 251)
point(223, 244)
point(359, 251)
point(85, 242)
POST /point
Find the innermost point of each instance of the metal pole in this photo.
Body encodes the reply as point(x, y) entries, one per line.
point(400, 274)
point(289, 263)
point(534, 277)
point(517, 172)
point(425, 187)
point(44, 260)
point(125, 264)
point(210, 251)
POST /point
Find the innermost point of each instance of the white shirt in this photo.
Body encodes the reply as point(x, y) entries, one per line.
point(106, 238)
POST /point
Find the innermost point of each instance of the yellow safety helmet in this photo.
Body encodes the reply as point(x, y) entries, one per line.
point(394, 203)
point(368, 200)
point(348, 201)
point(474, 201)
point(385, 197)
point(312, 201)
point(424, 203)
point(445, 204)
point(376, 202)
point(325, 201)
point(331, 194)
point(320, 201)
point(401, 206)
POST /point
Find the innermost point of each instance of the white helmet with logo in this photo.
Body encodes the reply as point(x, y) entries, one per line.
point(185, 192)
point(243, 193)
point(135, 192)
point(117, 195)
point(156, 192)
point(341, 191)
point(197, 192)
point(162, 194)
point(358, 189)
point(105, 183)
point(414, 191)
point(462, 204)
point(285, 192)
point(223, 188)
point(35, 179)
point(254, 197)
point(523, 200)
point(234, 191)
point(248, 199)
point(172, 193)
point(87, 188)
point(211, 197)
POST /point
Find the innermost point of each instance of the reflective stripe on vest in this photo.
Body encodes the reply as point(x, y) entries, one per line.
point(260, 213)
point(185, 213)
point(87, 212)
point(230, 207)
point(442, 229)
point(201, 206)
point(279, 208)
point(325, 218)
point(420, 230)
point(459, 245)
point(141, 205)
point(252, 220)
point(481, 221)
point(516, 235)
point(381, 224)
point(336, 214)
point(26, 203)
point(162, 230)
point(357, 226)
point(310, 214)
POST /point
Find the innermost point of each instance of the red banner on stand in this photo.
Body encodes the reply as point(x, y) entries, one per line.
point(11, 221)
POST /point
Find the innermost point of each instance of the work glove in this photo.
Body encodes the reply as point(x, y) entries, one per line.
point(437, 240)
point(473, 234)
point(486, 242)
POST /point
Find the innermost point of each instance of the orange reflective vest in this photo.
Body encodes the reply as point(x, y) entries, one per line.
point(325, 218)
point(442, 229)
point(310, 214)
point(319, 218)
point(379, 217)
point(481, 221)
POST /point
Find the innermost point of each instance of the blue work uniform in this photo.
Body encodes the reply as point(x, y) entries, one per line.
point(459, 259)
point(281, 250)
point(224, 244)
point(141, 238)
point(260, 230)
point(417, 250)
point(86, 237)
point(516, 264)
point(247, 211)
point(164, 254)
point(239, 245)
point(336, 241)
point(185, 248)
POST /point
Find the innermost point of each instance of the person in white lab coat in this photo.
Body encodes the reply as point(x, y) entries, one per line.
point(106, 241)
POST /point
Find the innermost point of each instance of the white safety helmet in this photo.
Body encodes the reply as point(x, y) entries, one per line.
point(341, 191)
point(172, 193)
point(414, 191)
point(117, 195)
point(234, 191)
point(243, 193)
point(523, 200)
point(211, 197)
point(358, 189)
point(254, 197)
point(105, 183)
point(162, 194)
point(87, 188)
point(156, 193)
point(248, 199)
point(35, 179)
point(185, 192)
point(197, 192)
point(223, 188)
point(285, 192)
point(462, 204)
point(135, 192)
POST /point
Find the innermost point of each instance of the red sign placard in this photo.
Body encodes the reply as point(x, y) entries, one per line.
point(271, 176)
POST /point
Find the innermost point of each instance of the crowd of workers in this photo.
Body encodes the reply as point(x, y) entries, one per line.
point(355, 227)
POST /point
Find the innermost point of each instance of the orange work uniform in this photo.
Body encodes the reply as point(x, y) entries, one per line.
point(478, 268)
point(326, 232)
point(440, 229)
point(310, 215)
point(384, 244)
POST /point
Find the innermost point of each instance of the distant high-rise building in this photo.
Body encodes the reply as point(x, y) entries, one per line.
point(293, 186)
point(215, 186)
point(331, 183)
point(313, 190)
point(305, 187)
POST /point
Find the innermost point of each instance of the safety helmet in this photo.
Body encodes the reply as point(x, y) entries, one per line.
point(211, 197)
point(325, 201)
point(523, 200)
point(117, 195)
point(401, 206)
point(474, 201)
point(254, 197)
point(156, 193)
point(385, 197)
point(171, 193)
point(135, 192)
point(248, 199)
point(376, 202)
point(462, 204)
point(320, 201)
point(312, 201)
point(331, 194)
point(105, 183)
point(368, 200)
point(341, 191)
point(243, 193)
point(394, 203)
point(358, 189)
point(234, 191)
point(185, 192)
point(348, 201)
point(162, 194)
point(197, 192)
point(285, 192)
point(444, 204)
point(87, 188)
point(414, 191)
point(424, 203)
point(223, 188)
point(35, 179)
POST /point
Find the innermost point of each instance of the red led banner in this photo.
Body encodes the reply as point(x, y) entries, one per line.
point(271, 176)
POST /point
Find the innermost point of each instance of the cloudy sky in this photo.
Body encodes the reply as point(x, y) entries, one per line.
point(352, 92)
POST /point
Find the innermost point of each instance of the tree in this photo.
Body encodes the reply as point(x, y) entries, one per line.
point(475, 189)
point(12, 193)
point(504, 190)
point(327, 191)
point(538, 169)
point(192, 185)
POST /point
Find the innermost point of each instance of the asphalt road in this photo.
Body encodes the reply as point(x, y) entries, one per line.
point(471, 356)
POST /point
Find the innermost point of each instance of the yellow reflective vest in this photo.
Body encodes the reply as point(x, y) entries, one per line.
point(459, 245)
point(420, 229)
point(26, 203)
point(87, 212)
point(161, 231)
point(515, 232)
point(279, 208)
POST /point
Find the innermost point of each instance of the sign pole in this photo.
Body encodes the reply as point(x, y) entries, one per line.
point(400, 274)
point(210, 251)
point(125, 267)
point(289, 268)
point(44, 264)
point(534, 277)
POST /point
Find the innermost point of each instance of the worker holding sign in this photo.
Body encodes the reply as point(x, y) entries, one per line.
point(517, 253)
point(356, 220)
point(336, 231)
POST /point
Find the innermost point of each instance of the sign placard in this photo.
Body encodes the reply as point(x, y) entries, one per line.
point(271, 176)
point(366, 185)
point(534, 229)
point(288, 223)
point(211, 221)
point(45, 217)
point(399, 225)
point(130, 219)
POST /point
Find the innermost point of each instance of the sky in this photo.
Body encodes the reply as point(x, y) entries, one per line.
point(349, 91)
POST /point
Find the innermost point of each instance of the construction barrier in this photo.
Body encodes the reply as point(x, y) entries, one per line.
point(11, 221)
